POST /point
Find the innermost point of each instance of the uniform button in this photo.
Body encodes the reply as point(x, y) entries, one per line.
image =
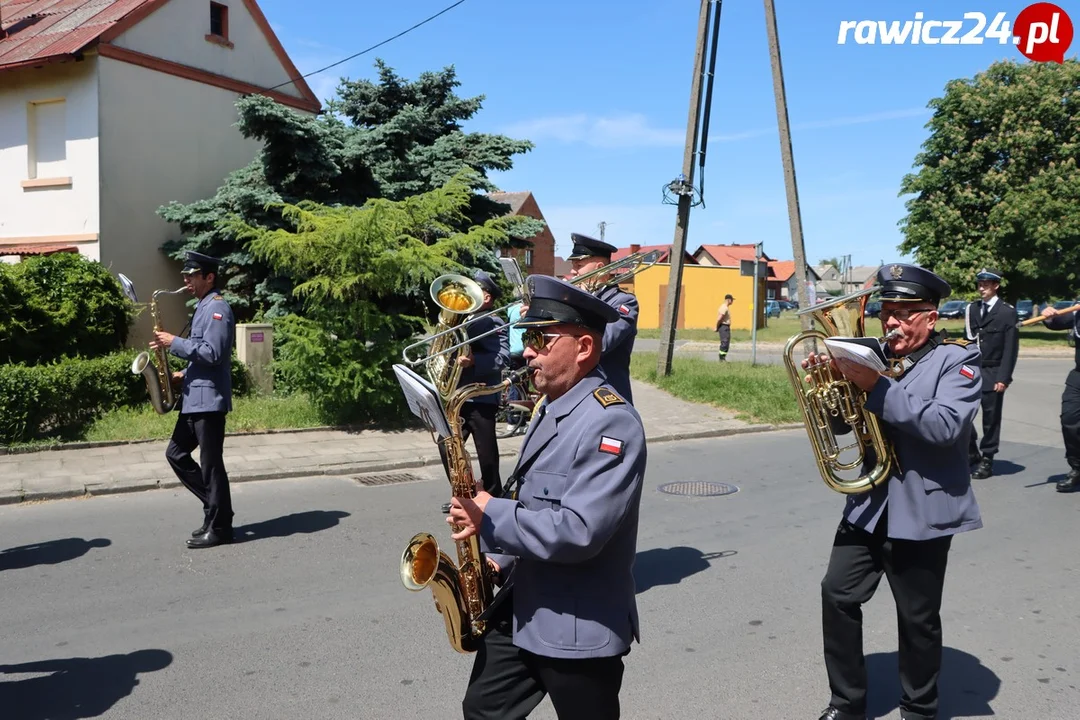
point(545, 491)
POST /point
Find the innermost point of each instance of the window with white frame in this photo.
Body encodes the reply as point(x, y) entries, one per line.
point(528, 258)
point(47, 146)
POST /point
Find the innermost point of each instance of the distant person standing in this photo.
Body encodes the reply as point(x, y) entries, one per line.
point(991, 322)
point(723, 326)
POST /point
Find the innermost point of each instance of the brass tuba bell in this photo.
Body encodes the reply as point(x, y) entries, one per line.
point(830, 401)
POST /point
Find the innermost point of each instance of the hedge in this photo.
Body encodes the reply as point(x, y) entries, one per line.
point(62, 399)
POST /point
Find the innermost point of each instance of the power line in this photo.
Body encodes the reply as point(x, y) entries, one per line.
point(373, 47)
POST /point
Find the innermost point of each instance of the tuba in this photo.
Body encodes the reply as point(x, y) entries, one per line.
point(829, 400)
point(465, 589)
point(158, 378)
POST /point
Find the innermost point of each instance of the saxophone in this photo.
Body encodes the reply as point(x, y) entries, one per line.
point(158, 379)
point(462, 591)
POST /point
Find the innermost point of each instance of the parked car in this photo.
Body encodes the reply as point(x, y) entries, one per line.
point(952, 310)
point(1024, 310)
point(772, 308)
point(873, 309)
point(788, 305)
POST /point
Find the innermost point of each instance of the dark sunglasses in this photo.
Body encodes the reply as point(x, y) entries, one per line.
point(538, 340)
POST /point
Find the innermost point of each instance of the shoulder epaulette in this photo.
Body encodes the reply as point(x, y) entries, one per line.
point(606, 397)
point(962, 342)
point(217, 297)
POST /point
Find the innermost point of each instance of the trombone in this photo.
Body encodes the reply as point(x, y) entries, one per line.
point(632, 264)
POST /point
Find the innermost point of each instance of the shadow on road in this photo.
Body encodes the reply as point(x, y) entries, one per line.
point(1052, 480)
point(308, 522)
point(669, 566)
point(51, 552)
point(966, 685)
point(75, 687)
point(1007, 467)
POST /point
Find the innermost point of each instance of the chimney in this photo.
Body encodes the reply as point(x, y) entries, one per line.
point(634, 249)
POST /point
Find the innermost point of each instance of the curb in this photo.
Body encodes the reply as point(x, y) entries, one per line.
point(19, 497)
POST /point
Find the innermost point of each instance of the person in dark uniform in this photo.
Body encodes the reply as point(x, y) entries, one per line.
point(591, 254)
point(563, 543)
point(1070, 399)
point(903, 528)
point(206, 397)
point(484, 364)
point(991, 322)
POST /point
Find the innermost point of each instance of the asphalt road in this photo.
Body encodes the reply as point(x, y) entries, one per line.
point(108, 615)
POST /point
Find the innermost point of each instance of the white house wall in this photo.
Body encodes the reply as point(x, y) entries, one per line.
point(177, 32)
point(163, 138)
point(65, 214)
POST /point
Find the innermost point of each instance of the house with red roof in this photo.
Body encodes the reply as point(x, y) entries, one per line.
point(539, 257)
point(110, 109)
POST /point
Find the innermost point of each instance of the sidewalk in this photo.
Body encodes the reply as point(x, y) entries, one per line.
point(105, 469)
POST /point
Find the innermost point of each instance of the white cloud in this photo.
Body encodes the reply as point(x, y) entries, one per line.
point(634, 129)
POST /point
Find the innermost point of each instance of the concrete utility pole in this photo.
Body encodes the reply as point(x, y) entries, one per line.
point(798, 249)
point(678, 247)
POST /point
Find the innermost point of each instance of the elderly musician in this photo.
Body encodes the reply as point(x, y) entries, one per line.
point(590, 254)
point(563, 542)
point(903, 528)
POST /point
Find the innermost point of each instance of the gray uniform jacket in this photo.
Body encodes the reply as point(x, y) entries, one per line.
point(927, 415)
point(569, 540)
point(619, 340)
point(208, 349)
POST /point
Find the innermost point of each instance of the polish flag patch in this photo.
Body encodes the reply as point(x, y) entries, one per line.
point(967, 372)
point(217, 316)
point(624, 310)
point(611, 445)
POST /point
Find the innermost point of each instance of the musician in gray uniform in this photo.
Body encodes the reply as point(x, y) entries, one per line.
point(590, 254)
point(206, 397)
point(903, 527)
point(564, 539)
point(1070, 399)
point(991, 322)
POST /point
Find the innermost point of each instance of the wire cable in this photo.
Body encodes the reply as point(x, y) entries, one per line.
point(373, 47)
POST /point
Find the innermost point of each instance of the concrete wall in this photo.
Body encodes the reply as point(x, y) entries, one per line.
point(65, 213)
point(163, 139)
point(177, 32)
point(704, 287)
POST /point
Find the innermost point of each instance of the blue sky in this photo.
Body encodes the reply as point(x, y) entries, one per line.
point(602, 88)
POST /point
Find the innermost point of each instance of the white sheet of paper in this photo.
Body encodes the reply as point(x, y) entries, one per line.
point(423, 400)
point(858, 350)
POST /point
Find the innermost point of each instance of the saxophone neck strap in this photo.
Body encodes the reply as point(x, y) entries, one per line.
point(911, 359)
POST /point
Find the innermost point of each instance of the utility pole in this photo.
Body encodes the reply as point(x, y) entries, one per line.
point(798, 249)
point(682, 222)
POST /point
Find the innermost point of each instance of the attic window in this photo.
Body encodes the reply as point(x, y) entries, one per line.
point(219, 25)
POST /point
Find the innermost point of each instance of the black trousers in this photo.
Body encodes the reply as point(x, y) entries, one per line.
point(991, 425)
point(478, 422)
point(916, 573)
point(725, 339)
point(1070, 419)
point(507, 683)
point(207, 479)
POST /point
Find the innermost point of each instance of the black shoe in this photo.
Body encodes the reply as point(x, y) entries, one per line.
point(1071, 483)
point(974, 460)
point(211, 538)
point(446, 508)
point(831, 713)
point(202, 529)
point(985, 469)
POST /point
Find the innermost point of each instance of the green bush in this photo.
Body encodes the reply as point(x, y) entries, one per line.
point(60, 305)
point(61, 399)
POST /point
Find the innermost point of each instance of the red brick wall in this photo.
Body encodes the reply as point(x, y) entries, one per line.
point(543, 249)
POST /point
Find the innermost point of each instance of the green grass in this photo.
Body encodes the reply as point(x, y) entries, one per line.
point(760, 394)
point(249, 414)
point(783, 327)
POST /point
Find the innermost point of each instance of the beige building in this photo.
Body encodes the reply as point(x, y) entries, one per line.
point(110, 109)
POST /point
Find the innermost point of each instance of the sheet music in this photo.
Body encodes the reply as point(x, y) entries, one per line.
point(423, 400)
point(861, 350)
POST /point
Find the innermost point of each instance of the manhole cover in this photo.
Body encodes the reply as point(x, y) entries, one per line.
point(387, 479)
point(698, 489)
